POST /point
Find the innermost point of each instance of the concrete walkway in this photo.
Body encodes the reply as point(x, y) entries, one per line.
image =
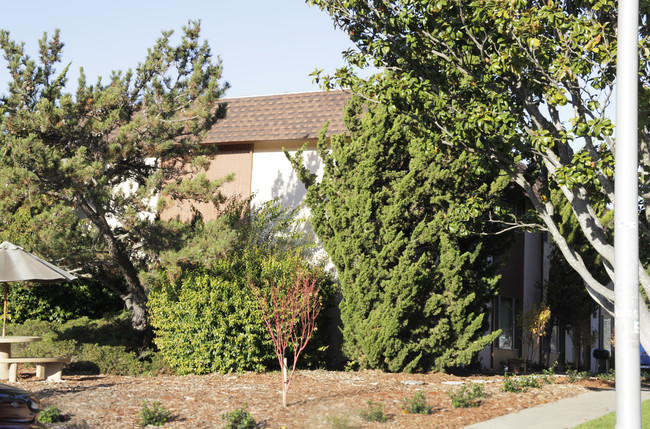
point(562, 414)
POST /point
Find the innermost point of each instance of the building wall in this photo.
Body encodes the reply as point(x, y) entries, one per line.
point(274, 178)
point(532, 269)
point(521, 278)
point(230, 159)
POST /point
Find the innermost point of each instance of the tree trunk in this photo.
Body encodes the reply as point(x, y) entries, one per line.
point(285, 383)
point(593, 231)
point(136, 298)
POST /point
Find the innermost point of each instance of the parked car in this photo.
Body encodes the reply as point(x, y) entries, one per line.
point(18, 408)
point(645, 359)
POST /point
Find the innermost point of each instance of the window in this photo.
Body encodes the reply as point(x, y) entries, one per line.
point(506, 308)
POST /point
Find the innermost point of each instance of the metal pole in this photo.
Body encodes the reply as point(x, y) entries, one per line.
point(626, 242)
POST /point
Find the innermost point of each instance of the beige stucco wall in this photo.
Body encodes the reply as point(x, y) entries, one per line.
point(235, 159)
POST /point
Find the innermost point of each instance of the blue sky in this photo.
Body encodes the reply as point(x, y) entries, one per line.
point(267, 47)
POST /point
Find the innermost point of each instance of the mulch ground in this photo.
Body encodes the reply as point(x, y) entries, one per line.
point(317, 399)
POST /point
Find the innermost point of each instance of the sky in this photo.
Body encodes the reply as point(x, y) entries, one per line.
point(266, 46)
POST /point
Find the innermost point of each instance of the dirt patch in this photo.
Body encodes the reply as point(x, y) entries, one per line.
point(317, 399)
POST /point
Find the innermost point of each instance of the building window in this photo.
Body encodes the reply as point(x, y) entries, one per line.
point(506, 308)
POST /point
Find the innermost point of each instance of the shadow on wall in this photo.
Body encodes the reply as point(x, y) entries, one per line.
point(286, 186)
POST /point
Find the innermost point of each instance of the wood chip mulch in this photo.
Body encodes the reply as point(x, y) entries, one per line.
point(317, 399)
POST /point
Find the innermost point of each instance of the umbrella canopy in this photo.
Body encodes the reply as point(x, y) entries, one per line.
point(18, 265)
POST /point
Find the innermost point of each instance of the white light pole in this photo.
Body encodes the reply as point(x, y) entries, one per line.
point(626, 229)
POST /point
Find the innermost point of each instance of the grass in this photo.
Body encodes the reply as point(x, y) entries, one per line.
point(609, 420)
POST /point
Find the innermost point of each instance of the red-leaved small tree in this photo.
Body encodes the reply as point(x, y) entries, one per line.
point(289, 310)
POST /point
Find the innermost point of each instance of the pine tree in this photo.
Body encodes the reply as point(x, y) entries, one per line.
point(392, 216)
point(106, 152)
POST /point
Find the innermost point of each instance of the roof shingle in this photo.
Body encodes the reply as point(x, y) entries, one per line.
point(280, 117)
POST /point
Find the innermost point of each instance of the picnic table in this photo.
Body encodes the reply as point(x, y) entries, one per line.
point(5, 350)
point(46, 367)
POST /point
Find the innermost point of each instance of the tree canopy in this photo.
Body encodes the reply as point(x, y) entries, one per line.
point(414, 293)
point(527, 85)
point(86, 173)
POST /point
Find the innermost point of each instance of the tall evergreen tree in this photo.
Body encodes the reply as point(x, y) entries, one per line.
point(415, 284)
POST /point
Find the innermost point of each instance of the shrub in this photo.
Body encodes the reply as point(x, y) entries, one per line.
point(530, 381)
point(61, 302)
point(99, 346)
point(611, 375)
point(511, 384)
point(210, 321)
point(417, 404)
point(548, 375)
point(574, 376)
point(465, 397)
point(51, 415)
point(207, 319)
point(519, 384)
point(239, 419)
point(645, 374)
point(374, 413)
point(156, 416)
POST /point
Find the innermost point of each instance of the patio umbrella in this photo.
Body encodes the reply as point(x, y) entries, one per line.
point(18, 265)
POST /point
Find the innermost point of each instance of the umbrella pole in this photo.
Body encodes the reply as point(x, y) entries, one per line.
point(4, 320)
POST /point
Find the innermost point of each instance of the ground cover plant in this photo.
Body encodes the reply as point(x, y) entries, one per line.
point(240, 418)
point(465, 396)
point(417, 404)
point(609, 375)
point(517, 384)
point(51, 414)
point(548, 374)
point(374, 412)
point(573, 375)
point(157, 415)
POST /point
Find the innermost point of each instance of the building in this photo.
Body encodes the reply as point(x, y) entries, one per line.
point(250, 140)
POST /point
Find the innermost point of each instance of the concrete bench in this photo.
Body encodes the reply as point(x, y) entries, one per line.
point(49, 368)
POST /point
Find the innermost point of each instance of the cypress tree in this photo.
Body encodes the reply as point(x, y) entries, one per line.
point(401, 223)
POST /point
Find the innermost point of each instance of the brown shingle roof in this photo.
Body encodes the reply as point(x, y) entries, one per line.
point(280, 117)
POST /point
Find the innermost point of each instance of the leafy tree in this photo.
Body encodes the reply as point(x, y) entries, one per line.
point(289, 311)
point(414, 293)
point(521, 83)
point(85, 172)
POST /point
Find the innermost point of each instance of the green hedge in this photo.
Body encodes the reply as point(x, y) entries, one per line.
point(210, 321)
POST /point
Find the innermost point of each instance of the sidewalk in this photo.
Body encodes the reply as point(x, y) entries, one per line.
point(562, 414)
